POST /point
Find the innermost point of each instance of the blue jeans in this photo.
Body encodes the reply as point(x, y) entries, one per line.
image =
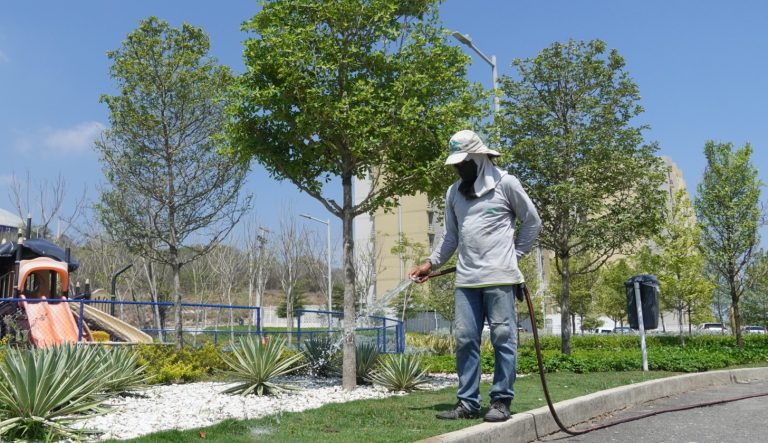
point(473, 306)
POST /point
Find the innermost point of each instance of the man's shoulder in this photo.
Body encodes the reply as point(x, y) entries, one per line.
point(509, 180)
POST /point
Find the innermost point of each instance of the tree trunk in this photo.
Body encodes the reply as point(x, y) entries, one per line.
point(349, 373)
point(736, 317)
point(155, 298)
point(176, 268)
point(565, 314)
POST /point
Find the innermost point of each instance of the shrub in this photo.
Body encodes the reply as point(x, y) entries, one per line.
point(255, 366)
point(323, 356)
point(166, 364)
point(127, 374)
point(100, 336)
point(436, 344)
point(42, 392)
point(366, 359)
point(437, 364)
point(400, 373)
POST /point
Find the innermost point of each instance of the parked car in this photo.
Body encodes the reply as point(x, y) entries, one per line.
point(754, 330)
point(712, 328)
point(622, 330)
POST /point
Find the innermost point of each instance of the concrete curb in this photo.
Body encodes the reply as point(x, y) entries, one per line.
point(531, 425)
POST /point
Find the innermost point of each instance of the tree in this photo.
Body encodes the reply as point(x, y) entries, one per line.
point(166, 182)
point(610, 292)
point(259, 258)
point(49, 198)
point(291, 247)
point(679, 263)
point(581, 292)
point(754, 305)
point(566, 125)
point(226, 265)
point(351, 88)
point(728, 209)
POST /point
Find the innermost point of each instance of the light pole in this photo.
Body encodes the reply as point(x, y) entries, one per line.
point(467, 40)
point(260, 284)
point(327, 224)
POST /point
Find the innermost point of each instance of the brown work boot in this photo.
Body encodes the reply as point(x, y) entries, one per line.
point(458, 411)
point(499, 410)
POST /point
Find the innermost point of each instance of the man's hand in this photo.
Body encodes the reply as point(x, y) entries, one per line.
point(420, 273)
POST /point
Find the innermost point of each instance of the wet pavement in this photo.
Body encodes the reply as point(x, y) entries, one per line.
point(737, 421)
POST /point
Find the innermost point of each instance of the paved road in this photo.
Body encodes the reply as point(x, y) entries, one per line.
point(743, 421)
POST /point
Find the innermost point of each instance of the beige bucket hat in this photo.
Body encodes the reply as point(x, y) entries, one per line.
point(464, 143)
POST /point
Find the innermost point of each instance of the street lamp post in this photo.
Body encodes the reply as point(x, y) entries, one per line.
point(467, 40)
point(327, 224)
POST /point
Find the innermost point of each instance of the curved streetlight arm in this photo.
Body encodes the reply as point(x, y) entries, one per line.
point(465, 39)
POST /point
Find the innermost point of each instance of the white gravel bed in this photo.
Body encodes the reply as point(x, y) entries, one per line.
point(193, 405)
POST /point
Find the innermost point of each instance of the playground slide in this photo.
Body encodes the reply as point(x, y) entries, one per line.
point(117, 329)
point(50, 323)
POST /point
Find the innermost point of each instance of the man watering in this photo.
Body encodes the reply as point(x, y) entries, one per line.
point(480, 214)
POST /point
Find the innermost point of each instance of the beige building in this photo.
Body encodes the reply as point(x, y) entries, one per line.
point(376, 235)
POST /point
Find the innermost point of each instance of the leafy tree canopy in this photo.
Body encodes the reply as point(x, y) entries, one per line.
point(352, 88)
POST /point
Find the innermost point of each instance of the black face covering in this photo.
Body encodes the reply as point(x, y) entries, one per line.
point(467, 170)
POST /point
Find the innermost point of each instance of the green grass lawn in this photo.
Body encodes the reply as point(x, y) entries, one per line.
point(394, 419)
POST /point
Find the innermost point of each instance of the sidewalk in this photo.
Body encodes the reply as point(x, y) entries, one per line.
point(529, 426)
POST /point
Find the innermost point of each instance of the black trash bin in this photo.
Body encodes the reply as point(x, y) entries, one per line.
point(649, 300)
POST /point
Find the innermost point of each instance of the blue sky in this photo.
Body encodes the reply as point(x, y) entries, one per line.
point(700, 66)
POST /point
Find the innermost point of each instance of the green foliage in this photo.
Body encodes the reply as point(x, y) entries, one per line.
point(440, 364)
point(401, 372)
point(754, 302)
point(166, 364)
point(366, 360)
point(679, 264)
point(728, 208)
point(345, 88)
point(126, 372)
point(430, 343)
point(42, 392)
point(255, 365)
point(566, 125)
point(609, 289)
point(323, 356)
point(300, 298)
point(612, 353)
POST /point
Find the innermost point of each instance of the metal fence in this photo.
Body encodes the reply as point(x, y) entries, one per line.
point(223, 324)
point(427, 322)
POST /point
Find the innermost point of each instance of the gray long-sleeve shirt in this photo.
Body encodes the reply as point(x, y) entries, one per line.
point(483, 230)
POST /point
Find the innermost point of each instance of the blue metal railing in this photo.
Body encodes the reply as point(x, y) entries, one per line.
point(389, 330)
point(397, 335)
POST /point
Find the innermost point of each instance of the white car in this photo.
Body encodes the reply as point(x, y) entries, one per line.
point(754, 330)
point(712, 328)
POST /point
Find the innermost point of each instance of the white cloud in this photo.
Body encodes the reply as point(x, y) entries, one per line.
point(4, 58)
point(75, 140)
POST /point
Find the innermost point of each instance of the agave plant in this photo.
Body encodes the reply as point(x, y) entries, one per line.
point(42, 392)
point(323, 356)
point(400, 373)
point(128, 375)
point(367, 356)
point(255, 365)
